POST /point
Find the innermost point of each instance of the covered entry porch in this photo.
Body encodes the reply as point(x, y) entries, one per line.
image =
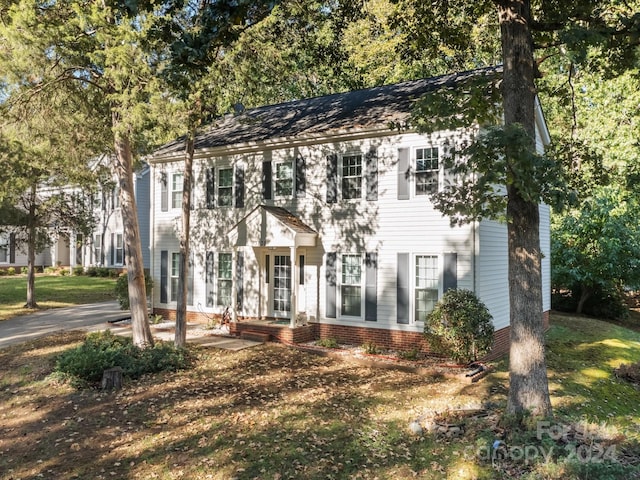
point(280, 242)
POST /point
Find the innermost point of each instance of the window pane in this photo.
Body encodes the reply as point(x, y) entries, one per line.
point(4, 257)
point(284, 179)
point(176, 190)
point(224, 279)
point(351, 289)
point(225, 187)
point(351, 176)
point(427, 168)
point(426, 285)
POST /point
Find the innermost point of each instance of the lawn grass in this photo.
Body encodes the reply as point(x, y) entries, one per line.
point(52, 291)
point(274, 412)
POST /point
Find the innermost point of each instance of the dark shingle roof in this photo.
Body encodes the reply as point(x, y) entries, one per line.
point(288, 219)
point(361, 109)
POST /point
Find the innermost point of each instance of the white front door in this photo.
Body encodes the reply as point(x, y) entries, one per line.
point(281, 281)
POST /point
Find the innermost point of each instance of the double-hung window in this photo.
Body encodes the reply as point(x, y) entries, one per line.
point(225, 187)
point(284, 179)
point(351, 176)
point(119, 250)
point(176, 190)
point(97, 249)
point(426, 285)
point(224, 279)
point(4, 249)
point(351, 286)
point(427, 171)
point(175, 272)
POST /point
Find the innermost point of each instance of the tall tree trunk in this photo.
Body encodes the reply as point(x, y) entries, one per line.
point(133, 248)
point(185, 251)
point(528, 391)
point(31, 250)
point(584, 296)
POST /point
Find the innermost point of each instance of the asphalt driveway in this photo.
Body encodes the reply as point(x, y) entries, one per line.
point(28, 327)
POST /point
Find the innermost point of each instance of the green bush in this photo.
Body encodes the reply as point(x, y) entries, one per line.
point(63, 272)
point(328, 343)
point(411, 354)
point(460, 326)
point(611, 304)
point(78, 270)
point(50, 270)
point(3, 272)
point(24, 270)
point(100, 351)
point(122, 289)
point(11, 271)
point(370, 348)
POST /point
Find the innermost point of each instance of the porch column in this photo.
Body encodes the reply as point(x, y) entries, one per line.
point(73, 250)
point(294, 285)
point(234, 286)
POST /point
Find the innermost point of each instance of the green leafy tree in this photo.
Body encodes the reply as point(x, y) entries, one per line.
point(597, 247)
point(595, 34)
point(91, 52)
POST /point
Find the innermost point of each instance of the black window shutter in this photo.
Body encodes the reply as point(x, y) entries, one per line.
point(301, 271)
point(403, 174)
point(211, 188)
point(164, 193)
point(402, 288)
point(267, 180)
point(301, 181)
point(164, 275)
point(332, 178)
point(239, 284)
point(209, 282)
point(371, 287)
point(190, 281)
point(331, 284)
point(12, 248)
point(371, 165)
point(239, 186)
point(112, 249)
point(450, 273)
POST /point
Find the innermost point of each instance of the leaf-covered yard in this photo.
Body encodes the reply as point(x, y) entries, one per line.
point(273, 412)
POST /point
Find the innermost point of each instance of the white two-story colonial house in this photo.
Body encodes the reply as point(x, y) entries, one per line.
point(313, 219)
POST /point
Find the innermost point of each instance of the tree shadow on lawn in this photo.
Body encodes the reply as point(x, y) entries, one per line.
point(268, 412)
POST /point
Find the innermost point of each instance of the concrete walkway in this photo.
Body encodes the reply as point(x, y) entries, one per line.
point(98, 316)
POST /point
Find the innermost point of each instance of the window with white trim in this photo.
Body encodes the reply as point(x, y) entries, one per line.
point(426, 285)
point(427, 170)
point(119, 250)
point(225, 187)
point(351, 279)
point(351, 175)
point(4, 249)
point(283, 179)
point(177, 180)
point(175, 272)
point(224, 279)
point(97, 249)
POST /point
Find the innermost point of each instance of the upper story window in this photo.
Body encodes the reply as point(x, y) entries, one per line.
point(176, 190)
point(284, 179)
point(225, 187)
point(427, 170)
point(351, 176)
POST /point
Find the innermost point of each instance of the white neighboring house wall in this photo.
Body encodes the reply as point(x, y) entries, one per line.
point(378, 260)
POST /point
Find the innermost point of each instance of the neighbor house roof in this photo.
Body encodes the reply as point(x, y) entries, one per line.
point(343, 112)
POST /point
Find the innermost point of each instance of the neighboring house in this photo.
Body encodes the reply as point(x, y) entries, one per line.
point(312, 219)
point(105, 246)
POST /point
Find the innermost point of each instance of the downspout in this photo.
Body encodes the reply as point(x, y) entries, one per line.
point(152, 232)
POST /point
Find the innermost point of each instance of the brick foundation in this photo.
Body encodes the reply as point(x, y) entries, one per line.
point(347, 334)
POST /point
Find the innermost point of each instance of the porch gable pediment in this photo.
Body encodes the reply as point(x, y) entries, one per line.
point(267, 226)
